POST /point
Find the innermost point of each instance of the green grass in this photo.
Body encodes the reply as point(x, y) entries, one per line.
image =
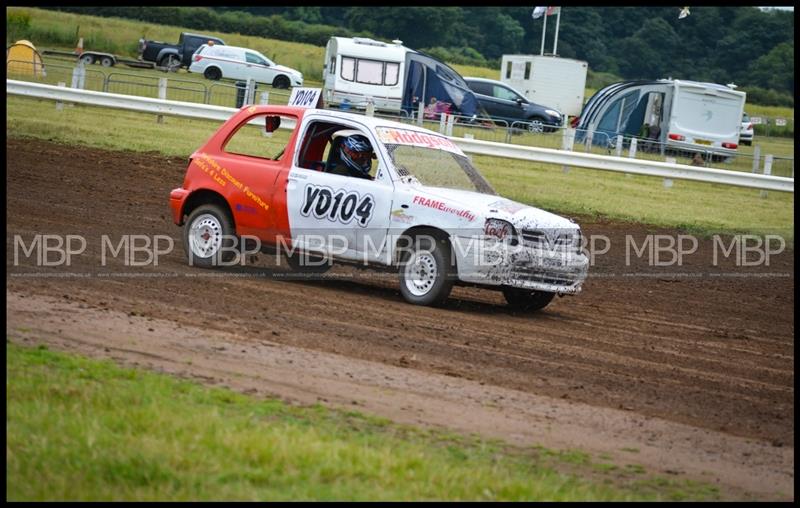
point(80, 429)
point(694, 206)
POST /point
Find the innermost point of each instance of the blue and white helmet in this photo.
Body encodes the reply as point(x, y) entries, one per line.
point(356, 152)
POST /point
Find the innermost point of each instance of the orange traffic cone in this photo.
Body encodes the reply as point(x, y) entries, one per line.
point(79, 49)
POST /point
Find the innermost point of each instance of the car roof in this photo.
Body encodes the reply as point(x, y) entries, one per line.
point(485, 80)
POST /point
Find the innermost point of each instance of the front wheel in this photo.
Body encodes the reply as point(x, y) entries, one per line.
point(536, 125)
point(527, 300)
point(209, 237)
point(426, 271)
point(87, 59)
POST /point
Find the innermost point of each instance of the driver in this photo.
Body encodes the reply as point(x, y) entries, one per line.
point(355, 154)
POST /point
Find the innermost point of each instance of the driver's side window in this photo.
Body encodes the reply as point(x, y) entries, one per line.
point(252, 140)
point(502, 92)
point(321, 149)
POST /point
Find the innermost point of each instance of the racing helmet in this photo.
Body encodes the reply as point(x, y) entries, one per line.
point(356, 153)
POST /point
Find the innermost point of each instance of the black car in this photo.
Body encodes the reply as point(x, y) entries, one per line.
point(501, 102)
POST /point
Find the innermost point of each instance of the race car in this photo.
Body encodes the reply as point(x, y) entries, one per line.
point(349, 188)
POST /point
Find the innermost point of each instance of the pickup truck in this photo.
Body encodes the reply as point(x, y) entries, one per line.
point(408, 199)
point(174, 56)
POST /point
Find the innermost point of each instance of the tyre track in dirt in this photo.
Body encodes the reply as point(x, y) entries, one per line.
point(715, 353)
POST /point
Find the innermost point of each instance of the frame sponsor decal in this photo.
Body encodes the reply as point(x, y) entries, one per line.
point(444, 207)
point(340, 206)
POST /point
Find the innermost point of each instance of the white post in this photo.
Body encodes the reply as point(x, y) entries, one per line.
point(76, 76)
point(451, 120)
point(632, 150)
point(162, 94)
point(544, 29)
point(767, 170)
point(442, 120)
point(59, 104)
point(619, 145)
point(756, 158)
point(250, 92)
point(264, 98)
point(370, 107)
point(568, 141)
point(82, 77)
point(420, 113)
point(668, 181)
point(589, 140)
point(555, 41)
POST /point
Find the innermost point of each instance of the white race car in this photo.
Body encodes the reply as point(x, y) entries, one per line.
point(361, 189)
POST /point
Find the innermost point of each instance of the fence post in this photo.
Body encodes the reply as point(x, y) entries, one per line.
point(589, 140)
point(250, 92)
point(59, 104)
point(162, 94)
point(668, 181)
point(420, 113)
point(632, 149)
point(76, 75)
point(451, 119)
point(264, 98)
point(442, 120)
point(568, 141)
point(756, 158)
point(767, 171)
point(620, 139)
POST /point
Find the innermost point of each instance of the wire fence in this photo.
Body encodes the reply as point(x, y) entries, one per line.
point(522, 133)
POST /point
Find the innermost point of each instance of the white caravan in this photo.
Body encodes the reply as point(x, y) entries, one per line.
point(357, 69)
point(543, 79)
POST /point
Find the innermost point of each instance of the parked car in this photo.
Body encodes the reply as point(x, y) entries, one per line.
point(232, 62)
point(174, 56)
point(746, 132)
point(408, 199)
point(501, 102)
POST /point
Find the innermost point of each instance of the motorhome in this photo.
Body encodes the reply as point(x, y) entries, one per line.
point(545, 79)
point(670, 114)
point(394, 78)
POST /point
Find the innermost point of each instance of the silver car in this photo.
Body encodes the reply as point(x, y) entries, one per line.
point(746, 131)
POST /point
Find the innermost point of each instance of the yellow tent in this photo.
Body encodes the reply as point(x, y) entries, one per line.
point(23, 59)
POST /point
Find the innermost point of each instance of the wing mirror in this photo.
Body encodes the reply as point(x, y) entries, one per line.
point(271, 123)
point(520, 101)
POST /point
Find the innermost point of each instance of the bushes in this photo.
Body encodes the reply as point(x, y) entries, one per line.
point(18, 25)
point(764, 97)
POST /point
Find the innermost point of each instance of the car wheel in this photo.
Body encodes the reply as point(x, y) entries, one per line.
point(302, 263)
point(212, 73)
point(536, 125)
point(87, 59)
point(171, 62)
point(281, 82)
point(107, 61)
point(209, 237)
point(426, 272)
point(527, 300)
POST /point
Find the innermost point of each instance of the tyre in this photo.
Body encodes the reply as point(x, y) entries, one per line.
point(308, 264)
point(171, 62)
point(212, 73)
point(107, 61)
point(209, 236)
point(527, 300)
point(87, 59)
point(426, 272)
point(281, 82)
point(536, 125)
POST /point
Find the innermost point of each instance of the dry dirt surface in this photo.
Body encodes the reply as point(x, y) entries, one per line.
point(689, 373)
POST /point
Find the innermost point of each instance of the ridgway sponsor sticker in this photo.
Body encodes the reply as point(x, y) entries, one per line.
point(389, 135)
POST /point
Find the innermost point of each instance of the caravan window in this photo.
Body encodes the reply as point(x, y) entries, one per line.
point(369, 72)
point(348, 68)
point(392, 73)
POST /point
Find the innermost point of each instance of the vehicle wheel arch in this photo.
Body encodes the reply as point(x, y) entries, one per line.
point(202, 197)
point(212, 68)
point(436, 232)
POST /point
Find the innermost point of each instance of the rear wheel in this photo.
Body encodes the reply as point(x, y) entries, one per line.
point(87, 59)
point(426, 272)
point(107, 61)
point(171, 62)
point(526, 300)
point(212, 73)
point(281, 82)
point(209, 236)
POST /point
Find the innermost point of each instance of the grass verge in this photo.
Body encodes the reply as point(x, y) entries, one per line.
point(80, 429)
point(691, 206)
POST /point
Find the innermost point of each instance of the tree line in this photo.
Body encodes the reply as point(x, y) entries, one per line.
point(743, 45)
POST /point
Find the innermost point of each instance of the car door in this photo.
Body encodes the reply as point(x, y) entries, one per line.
point(258, 68)
point(345, 216)
point(506, 103)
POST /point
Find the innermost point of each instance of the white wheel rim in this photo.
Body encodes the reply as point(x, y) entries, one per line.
point(205, 236)
point(420, 273)
point(536, 126)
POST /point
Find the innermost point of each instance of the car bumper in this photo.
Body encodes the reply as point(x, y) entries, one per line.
point(177, 197)
point(493, 263)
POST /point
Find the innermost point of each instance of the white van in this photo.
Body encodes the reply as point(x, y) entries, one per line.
point(558, 82)
point(359, 69)
point(216, 62)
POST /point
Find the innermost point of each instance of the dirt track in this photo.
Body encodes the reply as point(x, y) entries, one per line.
point(712, 352)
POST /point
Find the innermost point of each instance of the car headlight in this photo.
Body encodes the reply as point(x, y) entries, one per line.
point(553, 112)
point(500, 229)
